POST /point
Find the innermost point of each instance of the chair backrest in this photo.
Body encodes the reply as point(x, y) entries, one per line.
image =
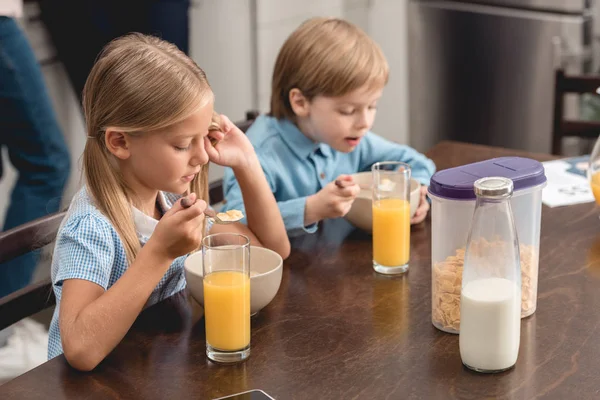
point(215, 190)
point(18, 241)
point(244, 125)
point(572, 128)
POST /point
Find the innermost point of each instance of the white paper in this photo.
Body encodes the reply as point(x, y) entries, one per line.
point(567, 182)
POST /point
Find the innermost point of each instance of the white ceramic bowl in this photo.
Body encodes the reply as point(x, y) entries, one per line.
point(361, 213)
point(266, 268)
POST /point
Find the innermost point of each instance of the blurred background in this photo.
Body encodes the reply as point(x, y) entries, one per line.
point(236, 43)
point(477, 71)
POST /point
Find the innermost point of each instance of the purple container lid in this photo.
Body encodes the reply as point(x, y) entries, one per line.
point(457, 183)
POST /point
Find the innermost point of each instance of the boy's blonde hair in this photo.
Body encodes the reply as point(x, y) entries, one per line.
point(139, 83)
point(325, 56)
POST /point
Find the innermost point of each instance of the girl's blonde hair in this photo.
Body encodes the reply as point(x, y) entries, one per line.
point(139, 83)
point(328, 57)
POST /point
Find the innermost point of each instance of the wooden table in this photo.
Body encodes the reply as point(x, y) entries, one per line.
point(337, 330)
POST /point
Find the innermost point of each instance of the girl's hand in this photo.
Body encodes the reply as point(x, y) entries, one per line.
point(179, 231)
point(233, 148)
point(423, 208)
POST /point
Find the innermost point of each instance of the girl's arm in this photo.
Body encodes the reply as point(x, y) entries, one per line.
point(265, 225)
point(93, 321)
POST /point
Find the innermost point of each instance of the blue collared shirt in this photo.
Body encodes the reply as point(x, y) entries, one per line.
point(296, 167)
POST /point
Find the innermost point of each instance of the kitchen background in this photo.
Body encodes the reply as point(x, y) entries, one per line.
point(479, 71)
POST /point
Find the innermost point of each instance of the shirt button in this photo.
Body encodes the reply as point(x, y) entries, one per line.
point(322, 175)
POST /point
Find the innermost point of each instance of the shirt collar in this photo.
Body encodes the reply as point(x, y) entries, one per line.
point(326, 150)
point(298, 142)
point(144, 224)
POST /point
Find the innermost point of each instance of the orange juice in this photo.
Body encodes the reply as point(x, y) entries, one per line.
point(596, 186)
point(227, 310)
point(391, 232)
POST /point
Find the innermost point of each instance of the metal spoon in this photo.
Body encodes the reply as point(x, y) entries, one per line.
point(208, 213)
point(344, 184)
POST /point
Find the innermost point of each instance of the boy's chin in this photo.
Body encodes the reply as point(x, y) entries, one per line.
point(343, 147)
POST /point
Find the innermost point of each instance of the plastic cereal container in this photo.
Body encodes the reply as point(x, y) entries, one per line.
point(452, 206)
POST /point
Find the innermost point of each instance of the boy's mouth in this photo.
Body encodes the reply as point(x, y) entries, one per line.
point(353, 140)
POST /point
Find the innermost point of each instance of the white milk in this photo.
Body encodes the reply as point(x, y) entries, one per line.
point(490, 324)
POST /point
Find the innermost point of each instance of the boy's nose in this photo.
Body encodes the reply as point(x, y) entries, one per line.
point(362, 122)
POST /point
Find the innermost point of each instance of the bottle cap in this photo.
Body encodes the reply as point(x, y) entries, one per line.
point(493, 187)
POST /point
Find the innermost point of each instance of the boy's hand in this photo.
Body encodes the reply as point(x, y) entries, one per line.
point(179, 231)
point(333, 201)
point(423, 208)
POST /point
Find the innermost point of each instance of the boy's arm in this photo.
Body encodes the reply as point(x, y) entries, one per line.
point(292, 211)
point(375, 149)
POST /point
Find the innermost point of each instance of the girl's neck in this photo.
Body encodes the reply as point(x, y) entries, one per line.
point(146, 202)
point(142, 197)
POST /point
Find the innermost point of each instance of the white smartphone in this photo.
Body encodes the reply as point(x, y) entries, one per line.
point(254, 394)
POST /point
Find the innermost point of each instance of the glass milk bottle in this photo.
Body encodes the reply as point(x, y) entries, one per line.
point(490, 303)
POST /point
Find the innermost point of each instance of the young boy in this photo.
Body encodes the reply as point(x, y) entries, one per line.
point(327, 80)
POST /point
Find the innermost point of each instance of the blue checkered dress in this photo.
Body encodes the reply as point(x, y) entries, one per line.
point(88, 247)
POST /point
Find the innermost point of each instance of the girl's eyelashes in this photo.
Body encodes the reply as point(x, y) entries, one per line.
point(178, 148)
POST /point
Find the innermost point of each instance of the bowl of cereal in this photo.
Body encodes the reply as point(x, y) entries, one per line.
point(266, 269)
point(361, 212)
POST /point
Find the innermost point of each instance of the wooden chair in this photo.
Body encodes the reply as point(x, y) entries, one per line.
point(41, 232)
point(18, 241)
point(572, 128)
point(244, 125)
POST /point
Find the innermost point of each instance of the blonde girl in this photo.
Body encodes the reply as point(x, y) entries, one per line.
point(148, 108)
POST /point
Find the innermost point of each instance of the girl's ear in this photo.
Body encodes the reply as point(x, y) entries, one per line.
point(117, 142)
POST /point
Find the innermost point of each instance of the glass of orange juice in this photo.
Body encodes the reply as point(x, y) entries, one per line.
point(593, 171)
point(226, 284)
point(391, 217)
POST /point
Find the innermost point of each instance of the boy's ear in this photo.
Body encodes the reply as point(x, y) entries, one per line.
point(117, 143)
point(300, 104)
